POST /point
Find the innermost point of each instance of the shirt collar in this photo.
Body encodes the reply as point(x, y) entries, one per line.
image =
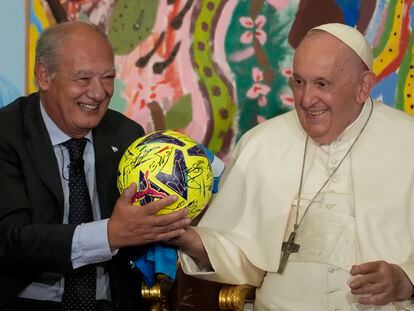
point(57, 136)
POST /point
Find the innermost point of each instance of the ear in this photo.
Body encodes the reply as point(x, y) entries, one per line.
point(42, 75)
point(367, 82)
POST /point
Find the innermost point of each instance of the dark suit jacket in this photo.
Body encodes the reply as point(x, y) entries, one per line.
point(32, 237)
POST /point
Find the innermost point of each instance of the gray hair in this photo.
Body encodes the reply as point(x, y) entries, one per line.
point(50, 40)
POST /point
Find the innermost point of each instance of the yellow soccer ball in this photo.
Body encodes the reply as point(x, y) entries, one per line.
point(167, 163)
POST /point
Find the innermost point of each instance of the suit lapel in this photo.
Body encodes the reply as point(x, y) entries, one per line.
point(41, 149)
point(106, 165)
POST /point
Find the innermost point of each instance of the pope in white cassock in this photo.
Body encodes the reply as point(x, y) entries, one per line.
point(316, 208)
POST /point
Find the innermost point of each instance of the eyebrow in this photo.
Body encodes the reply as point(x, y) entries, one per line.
point(296, 75)
point(83, 73)
point(89, 72)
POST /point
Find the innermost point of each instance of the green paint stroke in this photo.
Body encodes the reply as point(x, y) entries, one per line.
point(117, 102)
point(180, 114)
point(403, 74)
point(387, 29)
point(218, 93)
point(131, 22)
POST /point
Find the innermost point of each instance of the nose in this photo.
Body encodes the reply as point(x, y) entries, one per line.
point(309, 97)
point(96, 90)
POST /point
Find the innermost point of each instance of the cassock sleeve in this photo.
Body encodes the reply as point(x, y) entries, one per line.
point(408, 268)
point(229, 264)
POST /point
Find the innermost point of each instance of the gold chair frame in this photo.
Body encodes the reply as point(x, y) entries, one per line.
point(231, 297)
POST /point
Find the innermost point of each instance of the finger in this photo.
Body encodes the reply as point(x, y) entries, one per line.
point(180, 224)
point(128, 194)
point(367, 267)
point(379, 299)
point(363, 280)
point(372, 289)
point(155, 206)
point(169, 219)
point(170, 235)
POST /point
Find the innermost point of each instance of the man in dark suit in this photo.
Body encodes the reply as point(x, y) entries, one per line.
point(39, 246)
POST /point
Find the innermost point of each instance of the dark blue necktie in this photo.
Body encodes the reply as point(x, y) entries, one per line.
point(80, 285)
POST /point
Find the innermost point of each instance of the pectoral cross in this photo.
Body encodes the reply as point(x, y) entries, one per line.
point(288, 248)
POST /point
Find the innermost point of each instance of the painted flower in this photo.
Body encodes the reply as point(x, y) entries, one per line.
point(255, 29)
point(287, 99)
point(260, 119)
point(287, 72)
point(258, 89)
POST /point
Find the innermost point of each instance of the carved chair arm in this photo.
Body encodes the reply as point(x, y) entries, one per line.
point(157, 295)
point(233, 297)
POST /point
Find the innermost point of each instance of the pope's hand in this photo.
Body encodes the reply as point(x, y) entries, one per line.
point(138, 225)
point(379, 283)
point(191, 243)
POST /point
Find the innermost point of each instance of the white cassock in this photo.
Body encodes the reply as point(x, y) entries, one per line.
point(365, 212)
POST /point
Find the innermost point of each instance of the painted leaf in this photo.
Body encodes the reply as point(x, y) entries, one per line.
point(180, 114)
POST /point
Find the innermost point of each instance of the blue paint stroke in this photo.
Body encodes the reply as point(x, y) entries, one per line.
point(8, 92)
point(372, 30)
point(412, 17)
point(34, 20)
point(385, 90)
point(350, 10)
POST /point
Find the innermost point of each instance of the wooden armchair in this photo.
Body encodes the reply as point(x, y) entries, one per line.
point(230, 297)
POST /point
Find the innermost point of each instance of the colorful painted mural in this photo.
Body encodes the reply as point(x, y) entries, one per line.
point(215, 68)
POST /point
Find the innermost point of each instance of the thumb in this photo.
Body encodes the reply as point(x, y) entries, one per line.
point(129, 193)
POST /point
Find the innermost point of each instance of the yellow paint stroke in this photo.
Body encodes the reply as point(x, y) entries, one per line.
point(39, 11)
point(409, 87)
point(391, 49)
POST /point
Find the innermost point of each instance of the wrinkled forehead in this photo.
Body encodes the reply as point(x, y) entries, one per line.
point(86, 54)
point(320, 45)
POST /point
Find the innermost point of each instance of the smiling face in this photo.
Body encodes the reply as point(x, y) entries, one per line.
point(330, 85)
point(77, 95)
